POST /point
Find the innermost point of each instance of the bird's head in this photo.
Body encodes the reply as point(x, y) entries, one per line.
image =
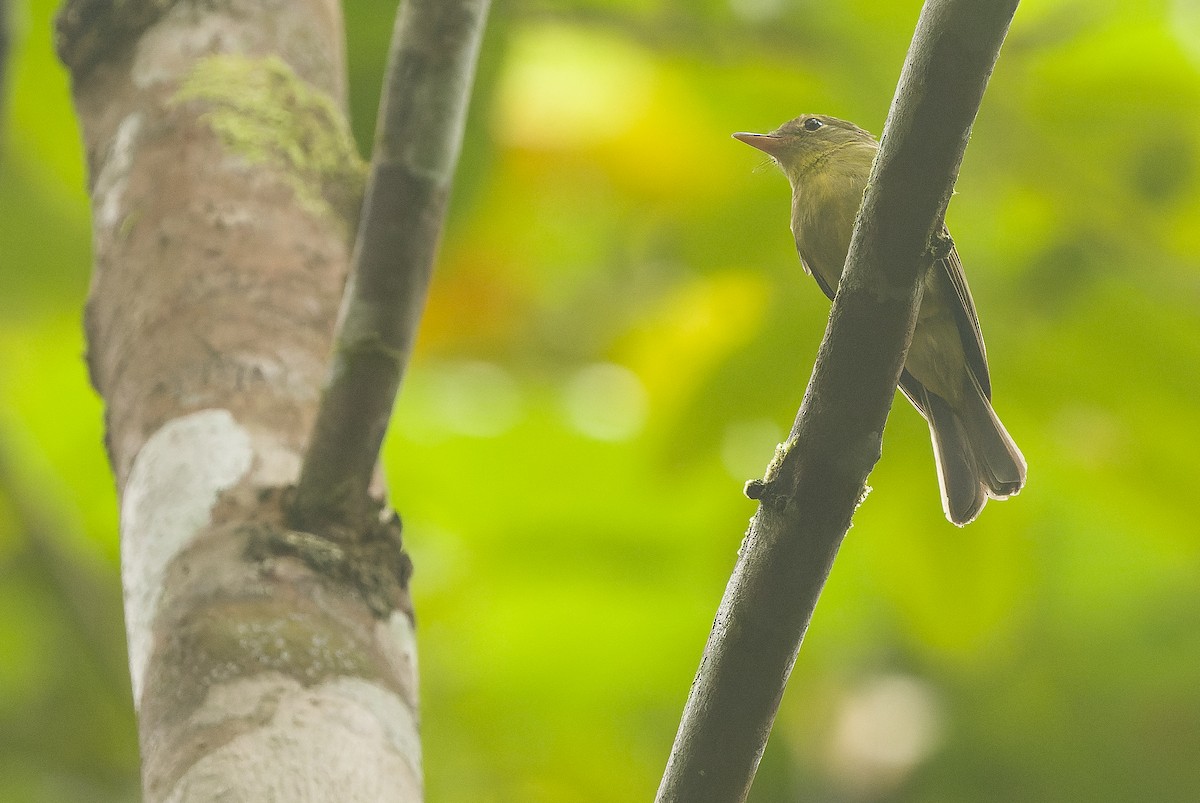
point(801, 144)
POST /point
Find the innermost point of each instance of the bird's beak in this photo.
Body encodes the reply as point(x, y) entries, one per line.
point(766, 143)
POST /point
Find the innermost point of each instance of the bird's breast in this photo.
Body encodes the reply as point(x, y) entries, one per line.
point(822, 222)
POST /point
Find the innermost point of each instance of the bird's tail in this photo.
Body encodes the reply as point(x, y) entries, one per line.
point(976, 457)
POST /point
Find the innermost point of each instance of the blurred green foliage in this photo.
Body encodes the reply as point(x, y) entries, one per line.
point(619, 333)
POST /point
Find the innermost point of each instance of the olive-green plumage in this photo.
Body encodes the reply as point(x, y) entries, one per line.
point(827, 161)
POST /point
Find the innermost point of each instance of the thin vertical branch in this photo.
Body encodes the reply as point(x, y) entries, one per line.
point(431, 68)
point(817, 478)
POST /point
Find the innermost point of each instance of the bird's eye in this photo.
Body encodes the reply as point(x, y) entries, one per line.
point(812, 124)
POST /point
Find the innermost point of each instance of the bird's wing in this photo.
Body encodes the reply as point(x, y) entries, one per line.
point(968, 327)
point(912, 389)
point(915, 392)
point(824, 285)
point(968, 322)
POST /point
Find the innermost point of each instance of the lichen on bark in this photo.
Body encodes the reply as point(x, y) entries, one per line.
point(266, 114)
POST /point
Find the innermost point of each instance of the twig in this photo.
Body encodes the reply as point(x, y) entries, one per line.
point(818, 476)
point(419, 134)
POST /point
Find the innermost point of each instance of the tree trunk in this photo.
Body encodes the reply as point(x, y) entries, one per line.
point(267, 664)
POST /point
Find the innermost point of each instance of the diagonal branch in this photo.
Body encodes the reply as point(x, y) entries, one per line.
point(418, 137)
point(817, 478)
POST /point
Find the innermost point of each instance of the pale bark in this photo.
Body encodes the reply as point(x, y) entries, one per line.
point(267, 664)
point(818, 476)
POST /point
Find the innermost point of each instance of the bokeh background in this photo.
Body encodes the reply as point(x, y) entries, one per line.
point(618, 335)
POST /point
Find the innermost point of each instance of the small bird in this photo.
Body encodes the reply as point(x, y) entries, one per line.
point(827, 162)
